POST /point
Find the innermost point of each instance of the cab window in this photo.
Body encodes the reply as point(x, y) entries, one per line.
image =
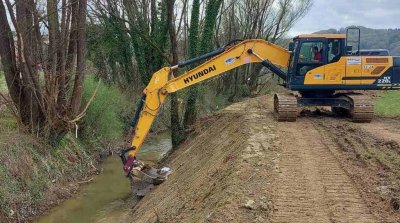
point(334, 50)
point(296, 43)
point(311, 56)
point(311, 52)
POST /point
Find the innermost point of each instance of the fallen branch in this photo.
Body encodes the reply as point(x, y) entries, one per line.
point(86, 181)
point(91, 164)
point(82, 114)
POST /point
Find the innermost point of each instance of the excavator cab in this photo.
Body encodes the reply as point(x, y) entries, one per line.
point(325, 63)
point(311, 52)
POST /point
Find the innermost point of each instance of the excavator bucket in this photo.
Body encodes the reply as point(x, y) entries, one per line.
point(144, 178)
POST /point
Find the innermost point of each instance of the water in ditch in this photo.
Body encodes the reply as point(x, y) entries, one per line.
point(108, 195)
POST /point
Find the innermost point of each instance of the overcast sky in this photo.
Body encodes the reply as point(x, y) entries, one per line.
point(325, 14)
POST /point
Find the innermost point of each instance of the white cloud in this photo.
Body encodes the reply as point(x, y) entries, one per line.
point(327, 14)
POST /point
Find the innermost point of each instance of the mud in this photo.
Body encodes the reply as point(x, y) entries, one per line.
point(311, 185)
point(240, 165)
point(370, 155)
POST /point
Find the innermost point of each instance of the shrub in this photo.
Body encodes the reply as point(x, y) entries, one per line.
point(106, 117)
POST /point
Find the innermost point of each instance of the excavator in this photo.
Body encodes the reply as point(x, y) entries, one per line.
point(323, 68)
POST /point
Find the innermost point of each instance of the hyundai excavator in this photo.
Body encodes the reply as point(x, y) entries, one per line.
point(326, 80)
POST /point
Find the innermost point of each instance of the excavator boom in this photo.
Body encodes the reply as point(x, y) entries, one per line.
point(231, 58)
point(163, 82)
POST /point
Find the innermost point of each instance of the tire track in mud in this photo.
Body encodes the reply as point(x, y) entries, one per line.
point(370, 155)
point(311, 185)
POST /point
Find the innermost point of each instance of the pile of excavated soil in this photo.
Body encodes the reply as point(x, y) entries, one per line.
point(221, 174)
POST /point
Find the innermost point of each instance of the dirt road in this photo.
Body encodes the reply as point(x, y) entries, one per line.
point(241, 165)
point(311, 185)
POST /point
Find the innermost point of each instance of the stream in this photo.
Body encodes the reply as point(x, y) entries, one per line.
point(108, 195)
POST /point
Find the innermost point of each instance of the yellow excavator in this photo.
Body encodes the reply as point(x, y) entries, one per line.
point(323, 68)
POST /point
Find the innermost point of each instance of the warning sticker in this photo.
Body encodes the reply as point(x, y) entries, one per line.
point(318, 76)
point(354, 61)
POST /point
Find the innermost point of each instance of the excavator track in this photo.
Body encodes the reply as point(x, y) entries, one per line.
point(362, 109)
point(285, 107)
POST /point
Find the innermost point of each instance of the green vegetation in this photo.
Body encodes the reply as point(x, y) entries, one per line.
point(3, 86)
point(107, 115)
point(31, 172)
point(200, 46)
point(388, 104)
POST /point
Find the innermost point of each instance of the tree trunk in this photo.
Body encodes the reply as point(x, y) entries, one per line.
point(72, 46)
point(22, 78)
point(190, 112)
point(81, 52)
point(7, 55)
point(206, 44)
point(42, 106)
point(177, 132)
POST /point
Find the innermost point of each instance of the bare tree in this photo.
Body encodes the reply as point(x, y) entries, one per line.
point(260, 19)
point(28, 59)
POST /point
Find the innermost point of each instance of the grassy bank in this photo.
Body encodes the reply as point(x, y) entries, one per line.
point(35, 176)
point(388, 104)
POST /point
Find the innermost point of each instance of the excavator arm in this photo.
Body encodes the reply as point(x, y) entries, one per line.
point(163, 83)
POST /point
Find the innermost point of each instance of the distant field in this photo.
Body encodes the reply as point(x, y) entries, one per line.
point(388, 104)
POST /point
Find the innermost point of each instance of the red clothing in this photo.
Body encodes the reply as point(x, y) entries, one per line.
point(318, 56)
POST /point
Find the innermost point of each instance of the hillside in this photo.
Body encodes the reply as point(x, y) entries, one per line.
point(375, 38)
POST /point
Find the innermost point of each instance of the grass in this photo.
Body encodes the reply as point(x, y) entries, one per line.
point(31, 171)
point(388, 104)
point(3, 85)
